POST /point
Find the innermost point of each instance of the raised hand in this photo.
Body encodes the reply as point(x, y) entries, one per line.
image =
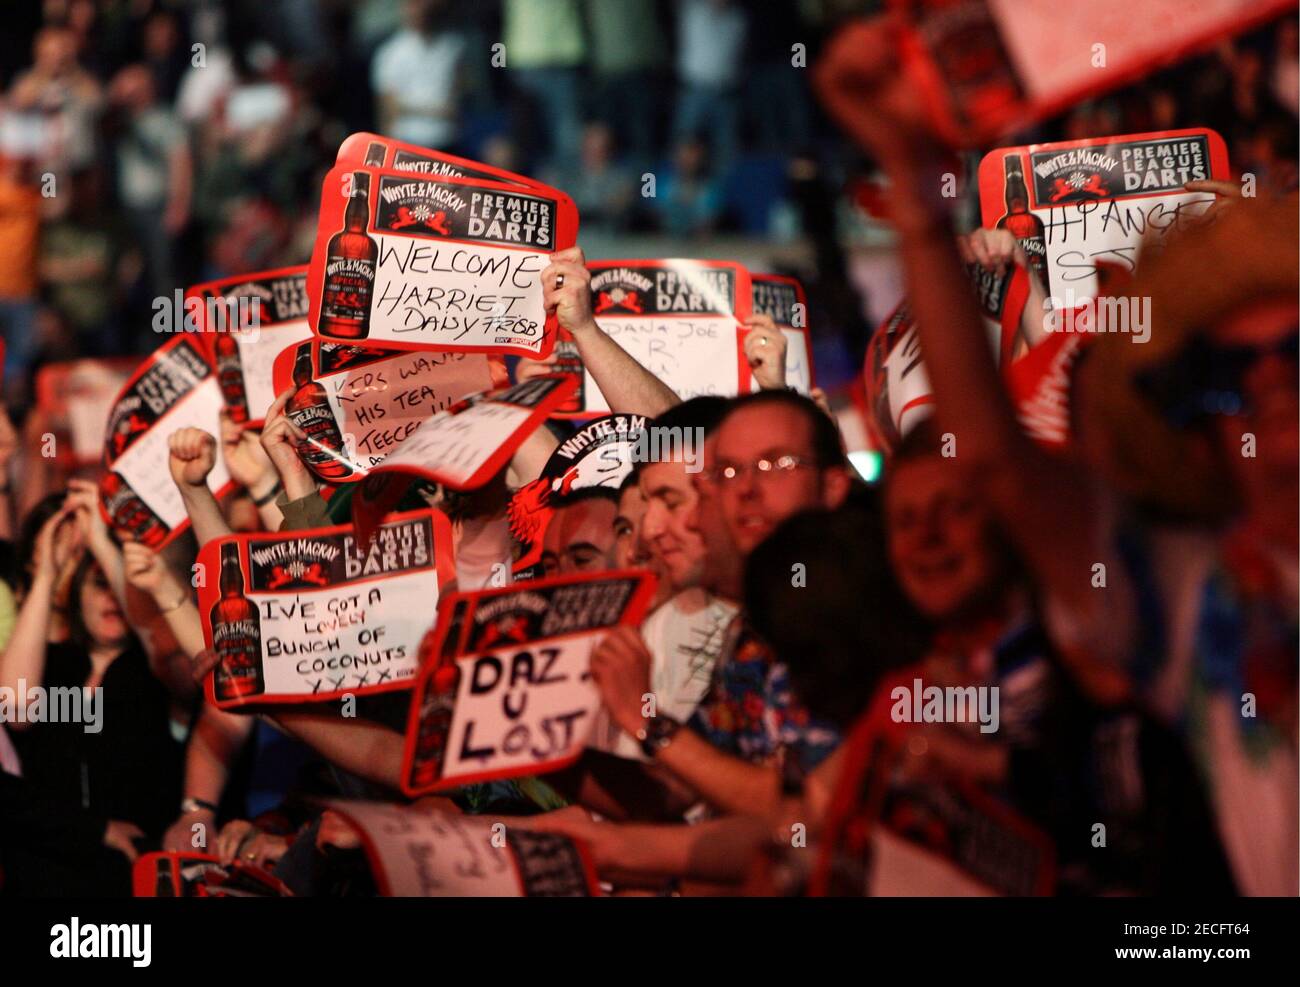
point(245, 459)
point(280, 440)
point(765, 347)
point(193, 454)
point(566, 290)
point(993, 250)
point(146, 571)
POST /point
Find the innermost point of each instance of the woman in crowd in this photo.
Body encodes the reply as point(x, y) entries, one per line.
point(116, 765)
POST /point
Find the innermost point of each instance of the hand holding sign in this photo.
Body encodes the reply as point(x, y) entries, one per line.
point(280, 439)
point(173, 390)
point(765, 348)
point(317, 614)
point(566, 285)
point(509, 690)
point(995, 250)
point(418, 261)
point(620, 666)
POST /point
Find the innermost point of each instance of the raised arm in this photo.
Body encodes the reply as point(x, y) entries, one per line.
point(83, 498)
point(147, 572)
point(367, 749)
point(251, 468)
point(299, 503)
point(24, 657)
point(1048, 506)
point(628, 387)
point(193, 454)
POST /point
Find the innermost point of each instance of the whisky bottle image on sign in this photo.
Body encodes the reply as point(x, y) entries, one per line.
point(309, 409)
point(435, 725)
point(1023, 224)
point(128, 513)
point(350, 260)
point(375, 153)
point(236, 634)
point(230, 377)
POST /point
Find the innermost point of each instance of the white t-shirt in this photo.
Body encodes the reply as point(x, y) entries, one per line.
point(421, 74)
point(685, 636)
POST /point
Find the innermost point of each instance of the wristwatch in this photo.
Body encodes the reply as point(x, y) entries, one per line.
point(657, 734)
point(189, 805)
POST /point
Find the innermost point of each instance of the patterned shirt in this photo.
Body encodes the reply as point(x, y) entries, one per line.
point(750, 711)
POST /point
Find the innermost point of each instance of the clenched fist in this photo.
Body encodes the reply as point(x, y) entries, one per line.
point(193, 454)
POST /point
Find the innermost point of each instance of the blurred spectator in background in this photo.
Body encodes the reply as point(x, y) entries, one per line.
point(778, 97)
point(20, 229)
point(689, 196)
point(627, 52)
point(545, 47)
point(154, 173)
point(63, 96)
point(162, 52)
point(85, 261)
point(603, 190)
point(710, 51)
point(416, 77)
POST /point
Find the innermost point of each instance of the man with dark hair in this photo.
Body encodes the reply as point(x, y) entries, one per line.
point(580, 534)
point(773, 455)
point(686, 631)
point(630, 549)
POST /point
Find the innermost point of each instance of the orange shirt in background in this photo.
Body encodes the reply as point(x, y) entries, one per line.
point(20, 228)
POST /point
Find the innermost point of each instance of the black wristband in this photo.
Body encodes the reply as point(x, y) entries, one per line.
point(657, 734)
point(267, 497)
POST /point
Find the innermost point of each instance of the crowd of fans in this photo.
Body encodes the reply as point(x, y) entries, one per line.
point(1148, 719)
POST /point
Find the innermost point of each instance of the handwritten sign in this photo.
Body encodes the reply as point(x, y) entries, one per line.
point(414, 261)
point(357, 405)
point(467, 444)
point(174, 388)
point(1075, 204)
point(510, 692)
point(306, 616)
point(415, 853)
point(678, 318)
point(247, 321)
point(783, 300)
